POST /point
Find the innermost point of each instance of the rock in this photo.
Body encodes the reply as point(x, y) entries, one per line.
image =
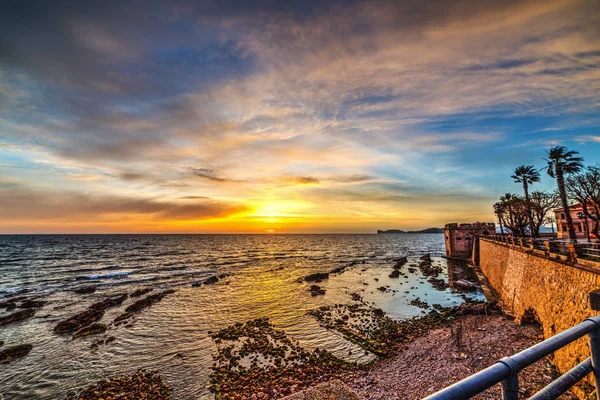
point(32, 304)
point(18, 316)
point(108, 303)
point(10, 353)
point(382, 289)
point(147, 301)
point(123, 317)
point(317, 278)
point(90, 330)
point(438, 283)
point(1, 343)
point(8, 305)
point(141, 292)
point(395, 274)
point(316, 291)
point(141, 385)
point(210, 281)
point(465, 285)
point(110, 339)
point(419, 303)
point(79, 321)
point(85, 290)
point(400, 262)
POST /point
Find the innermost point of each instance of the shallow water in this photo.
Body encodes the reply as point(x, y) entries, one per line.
point(264, 272)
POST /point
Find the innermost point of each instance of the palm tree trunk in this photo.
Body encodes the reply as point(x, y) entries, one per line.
point(528, 205)
point(560, 181)
point(501, 223)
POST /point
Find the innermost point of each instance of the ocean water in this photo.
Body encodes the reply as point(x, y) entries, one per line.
point(172, 335)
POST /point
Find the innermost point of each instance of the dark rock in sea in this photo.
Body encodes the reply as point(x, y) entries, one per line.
point(141, 292)
point(316, 290)
point(400, 262)
point(32, 304)
point(123, 317)
point(317, 278)
point(426, 257)
point(210, 281)
point(10, 353)
point(428, 269)
point(395, 274)
point(110, 339)
point(356, 297)
point(412, 270)
point(8, 305)
point(90, 330)
point(382, 289)
point(79, 321)
point(108, 303)
point(1, 343)
point(438, 283)
point(85, 290)
point(147, 301)
point(17, 316)
point(419, 303)
point(465, 286)
point(141, 385)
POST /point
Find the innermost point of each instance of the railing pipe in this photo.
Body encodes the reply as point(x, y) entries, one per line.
point(564, 382)
point(509, 367)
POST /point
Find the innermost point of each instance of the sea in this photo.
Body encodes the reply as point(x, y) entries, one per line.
point(264, 278)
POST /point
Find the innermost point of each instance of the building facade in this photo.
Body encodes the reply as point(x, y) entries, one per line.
point(578, 222)
point(461, 237)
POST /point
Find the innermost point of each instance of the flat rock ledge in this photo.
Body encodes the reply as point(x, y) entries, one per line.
point(332, 390)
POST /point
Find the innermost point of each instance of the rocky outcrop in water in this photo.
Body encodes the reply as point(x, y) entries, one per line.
point(141, 292)
point(108, 303)
point(32, 304)
point(79, 321)
point(8, 305)
point(90, 330)
point(147, 301)
point(17, 316)
point(10, 353)
point(210, 281)
point(317, 278)
point(85, 290)
point(140, 386)
point(316, 290)
point(278, 366)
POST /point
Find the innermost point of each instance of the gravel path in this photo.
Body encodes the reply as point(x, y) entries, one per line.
point(437, 360)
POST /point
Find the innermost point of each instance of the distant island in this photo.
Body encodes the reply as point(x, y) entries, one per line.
point(396, 231)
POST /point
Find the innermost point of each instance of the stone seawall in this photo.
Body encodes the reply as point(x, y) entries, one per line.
point(555, 293)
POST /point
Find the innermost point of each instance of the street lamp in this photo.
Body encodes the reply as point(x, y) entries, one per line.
point(581, 215)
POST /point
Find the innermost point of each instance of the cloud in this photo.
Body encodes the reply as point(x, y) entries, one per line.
point(278, 100)
point(72, 207)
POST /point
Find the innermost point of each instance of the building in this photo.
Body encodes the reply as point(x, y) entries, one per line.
point(578, 223)
point(460, 237)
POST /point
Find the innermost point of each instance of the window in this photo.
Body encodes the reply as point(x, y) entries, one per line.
point(562, 216)
point(579, 228)
point(458, 238)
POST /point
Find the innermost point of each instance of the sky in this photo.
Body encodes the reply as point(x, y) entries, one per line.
point(285, 117)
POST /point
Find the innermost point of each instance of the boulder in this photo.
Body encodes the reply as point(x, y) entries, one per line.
point(10, 353)
point(318, 277)
point(90, 330)
point(17, 316)
point(79, 321)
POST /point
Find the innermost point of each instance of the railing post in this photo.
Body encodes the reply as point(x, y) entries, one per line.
point(595, 349)
point(548, 247)
point(510, 386)
point(572, 252)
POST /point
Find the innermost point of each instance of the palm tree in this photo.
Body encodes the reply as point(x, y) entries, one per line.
point(507, 201)
point(561, 162)
point(499, 211)
point(527, 175)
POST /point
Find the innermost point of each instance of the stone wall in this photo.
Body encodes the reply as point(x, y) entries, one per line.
point(556, 293)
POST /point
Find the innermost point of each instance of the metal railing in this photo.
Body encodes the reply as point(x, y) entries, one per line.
point(506, 371)
point(584, 250)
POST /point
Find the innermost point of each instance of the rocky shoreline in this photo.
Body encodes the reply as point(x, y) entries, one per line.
point(254, 360)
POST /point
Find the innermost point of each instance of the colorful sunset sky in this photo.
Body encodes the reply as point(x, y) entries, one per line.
point(285, 117)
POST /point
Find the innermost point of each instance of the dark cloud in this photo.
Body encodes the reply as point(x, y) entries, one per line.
point(72, 206)
point(206, 173)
